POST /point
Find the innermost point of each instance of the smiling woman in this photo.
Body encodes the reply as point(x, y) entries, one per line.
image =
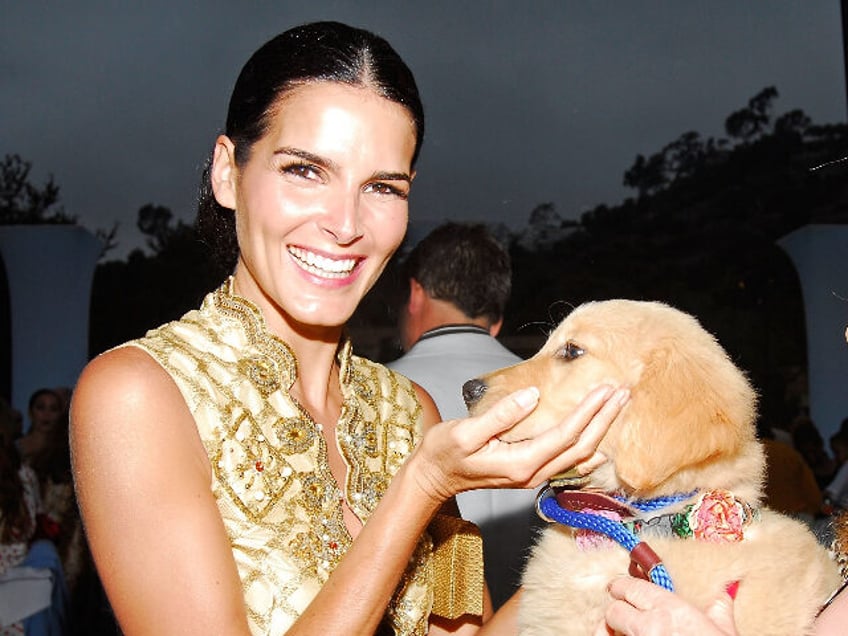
point(321, 203)
point(269, 480)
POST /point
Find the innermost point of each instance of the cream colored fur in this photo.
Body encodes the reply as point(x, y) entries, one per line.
point(690, 424)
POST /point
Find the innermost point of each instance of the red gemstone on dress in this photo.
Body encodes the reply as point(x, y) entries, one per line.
point(333, 545)
point(260, 466)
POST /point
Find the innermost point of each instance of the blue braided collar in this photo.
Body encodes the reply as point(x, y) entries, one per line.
point(712, 515)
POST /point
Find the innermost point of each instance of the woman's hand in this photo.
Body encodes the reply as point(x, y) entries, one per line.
point(640, 608)
point(461, 455)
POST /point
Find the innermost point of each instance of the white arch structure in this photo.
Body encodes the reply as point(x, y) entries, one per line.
point(820, 255)
point(50, 270)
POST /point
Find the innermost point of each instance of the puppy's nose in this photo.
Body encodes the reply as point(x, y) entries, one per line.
point(472, 391)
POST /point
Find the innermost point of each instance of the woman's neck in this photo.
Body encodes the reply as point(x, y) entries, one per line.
point(314, 347)
point(317, 382)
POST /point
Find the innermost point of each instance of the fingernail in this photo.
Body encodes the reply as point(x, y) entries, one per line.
point(606, 391)
point(527, 397)
point(622, 396)
point(732, 588)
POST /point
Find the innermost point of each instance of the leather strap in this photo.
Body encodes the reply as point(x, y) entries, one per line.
point(643, 559)
point(579, 501)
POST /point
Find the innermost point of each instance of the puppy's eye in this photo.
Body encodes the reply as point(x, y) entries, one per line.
point(570, 351)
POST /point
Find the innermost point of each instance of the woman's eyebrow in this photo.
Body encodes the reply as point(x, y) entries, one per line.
point(391, 176)
point(324, 162)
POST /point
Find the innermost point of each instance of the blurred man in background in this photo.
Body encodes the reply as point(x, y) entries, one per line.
point(460, 279)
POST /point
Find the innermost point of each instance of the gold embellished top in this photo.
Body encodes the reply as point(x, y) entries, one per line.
point(281, 506)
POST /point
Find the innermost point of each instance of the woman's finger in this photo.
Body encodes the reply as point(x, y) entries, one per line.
point(623, 618)
point(629, 612)
point(503, 415)
point(575, 440)
point(639, 593)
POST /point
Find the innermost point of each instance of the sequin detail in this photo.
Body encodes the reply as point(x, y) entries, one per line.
point(263, 372)
point(282, 507)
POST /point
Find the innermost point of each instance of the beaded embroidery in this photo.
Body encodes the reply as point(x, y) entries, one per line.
point(282, 508)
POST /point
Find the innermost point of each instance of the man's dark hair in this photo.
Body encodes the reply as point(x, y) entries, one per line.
point(465, 265)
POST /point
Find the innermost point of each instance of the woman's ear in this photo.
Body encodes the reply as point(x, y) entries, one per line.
point(224, 172)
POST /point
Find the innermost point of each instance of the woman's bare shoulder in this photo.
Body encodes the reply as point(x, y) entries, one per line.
point(119, 365)
point(124, 399)
point(120, 359)
point(121, 380)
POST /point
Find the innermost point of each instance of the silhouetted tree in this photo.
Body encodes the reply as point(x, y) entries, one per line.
point(795, 122)
point(749, 122)
point(155, 222)
point(22, 202)
point(129, 297)
point(647, 175)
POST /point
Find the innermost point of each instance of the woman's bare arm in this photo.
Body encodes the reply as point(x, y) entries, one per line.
point(143, 482)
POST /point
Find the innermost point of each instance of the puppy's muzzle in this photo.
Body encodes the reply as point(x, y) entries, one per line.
point(472, 391)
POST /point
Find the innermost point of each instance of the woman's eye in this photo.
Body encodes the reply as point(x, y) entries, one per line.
point(386, 189)
point(304, 170)
point(570, 351)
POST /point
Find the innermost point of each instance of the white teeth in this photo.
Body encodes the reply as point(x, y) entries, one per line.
point(321, 265)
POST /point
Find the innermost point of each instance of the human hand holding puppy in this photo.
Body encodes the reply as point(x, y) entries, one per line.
point(641, 608)
point(460, 455)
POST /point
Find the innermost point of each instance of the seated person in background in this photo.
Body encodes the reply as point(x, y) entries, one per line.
point(790, 485)
point(836, 492)
point(459, 280)
point(839, 448)
point(46, 450)
point(19, 503)
point(45, 412)
point(808, 440)
point(11, 422)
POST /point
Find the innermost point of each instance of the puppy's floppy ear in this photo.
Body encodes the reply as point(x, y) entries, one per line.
point(691, 403)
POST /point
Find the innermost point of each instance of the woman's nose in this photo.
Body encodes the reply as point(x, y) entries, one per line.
point(342, 219)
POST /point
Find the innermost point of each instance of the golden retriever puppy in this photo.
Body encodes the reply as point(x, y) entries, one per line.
point(682, 481)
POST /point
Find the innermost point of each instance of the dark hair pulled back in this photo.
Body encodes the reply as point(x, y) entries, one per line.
point(315, 52)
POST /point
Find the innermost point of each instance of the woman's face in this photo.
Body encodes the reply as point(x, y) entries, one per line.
point(45, 412)
point(321, 204)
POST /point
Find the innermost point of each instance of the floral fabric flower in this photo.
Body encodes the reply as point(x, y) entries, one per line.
point(718, 517)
